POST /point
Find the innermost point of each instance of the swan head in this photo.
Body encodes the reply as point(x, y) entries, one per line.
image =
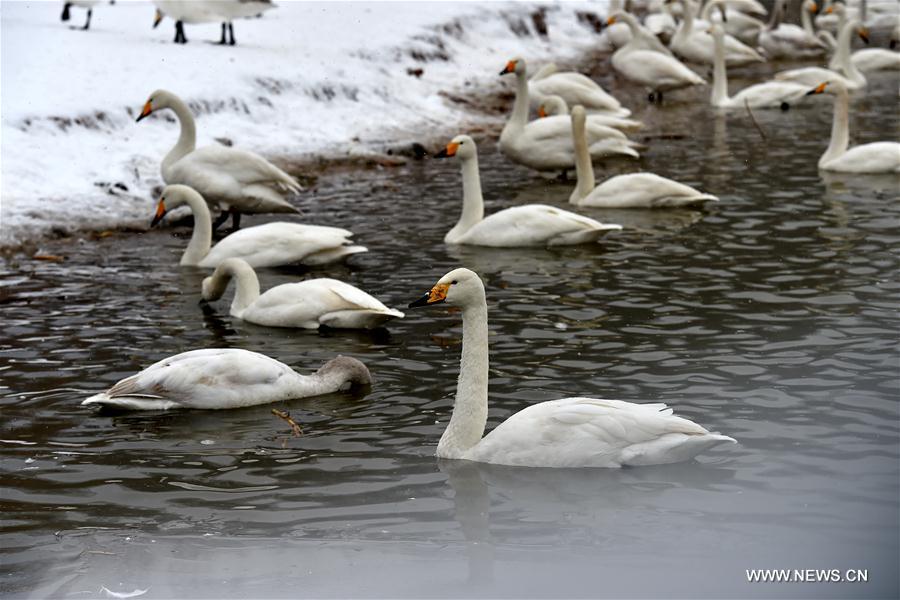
point(461, 146)
point(348, 370)
point(811, 6)
point(157, 18)
point(553, 105)
point(172, 196)
point(157, 100)
point(515, 65)
point(828, 87)
point(460, 287)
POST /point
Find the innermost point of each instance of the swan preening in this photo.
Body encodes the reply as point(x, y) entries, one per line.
point(519, 226)
point(633, 190)
point(553, 106)
point(236, 180)
point(217, 378)
point(877, 157)
point(268, 245)
point(571, 432)
point(209, 11)
point(306, 304)
point(546, 144)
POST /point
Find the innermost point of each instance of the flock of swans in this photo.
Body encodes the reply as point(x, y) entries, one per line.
point(571, 432)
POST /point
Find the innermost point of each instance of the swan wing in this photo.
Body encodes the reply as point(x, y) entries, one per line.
point(877, 157)
point(770, 94)
point(277, 243)
point(643, 190)
point(244, 167)
point(533, 225)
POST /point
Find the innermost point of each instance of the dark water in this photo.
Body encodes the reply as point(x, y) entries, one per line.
point(770, 316)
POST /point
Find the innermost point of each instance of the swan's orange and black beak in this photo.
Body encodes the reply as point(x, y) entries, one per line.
point(864, 35)
point(157, 19)
point(829, 10)
point(610, 21)
point(813, 8)
point(509, 68)
point(160, 213)
point(449, 151)
point(819, 89)
point(148, 108)
point(541, 112)
point(436, 295)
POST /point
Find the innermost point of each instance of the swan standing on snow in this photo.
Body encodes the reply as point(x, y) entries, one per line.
point(268, 245)
point(769, 94)
point(519, 226)
point(571, 432)
point(841, 68)
point(654, 70)
point(877, 157)
point(306, 304)
point(209, 11)
point(574, 88)
point(554, 106)
point(784, 40)
point(217, 378)
point(634, 190)
point(236, 180)
point(88, 4)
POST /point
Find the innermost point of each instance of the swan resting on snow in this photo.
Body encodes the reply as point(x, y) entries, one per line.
point(217, 378)
point(236, 180)
point(571, 432)
point(307, 304)
point(633, 190)
point(268, 245)
point(519, 226)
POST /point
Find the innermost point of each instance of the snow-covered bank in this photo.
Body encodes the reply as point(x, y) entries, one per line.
point(323, 78)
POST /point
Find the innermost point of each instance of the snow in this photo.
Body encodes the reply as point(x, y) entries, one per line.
point(306, 79)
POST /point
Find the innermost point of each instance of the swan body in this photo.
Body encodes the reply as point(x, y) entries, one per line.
point(519, 226)
point(649, 68)
point(268, 245)
point(575, 88)
point(769, 94)
point(206, 11)
point(634, 190)
point(218, 378)
point(571, 432)
point(697, 47)
point(877, 157)
point(868, 60)
point(784, 40)
point(841, 68)
point(234, 179)
point(546, 144)
point(306, 304)
point(553, 106)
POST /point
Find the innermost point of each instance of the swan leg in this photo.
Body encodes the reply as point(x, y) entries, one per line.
point(223, 216)
point(222, 39)
point(87, 23)
point(785, 106)
point(231, 32)
point(235, 219)
point(180, 38)
point(65, 12)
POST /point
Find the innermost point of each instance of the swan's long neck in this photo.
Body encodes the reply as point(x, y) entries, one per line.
point(775, 17)
point(246, 284)
point(187, 139)
point(720, 73)
point(201, 238)
point(584, 169)
point(841, 60)
point(470, 410)
point(806, 20)
point(688, 16)
point(473, 201)
point(840, 128)
point(519, 117)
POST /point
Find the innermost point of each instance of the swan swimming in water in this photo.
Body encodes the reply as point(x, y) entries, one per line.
point(571, 432)
point(307, 304)
point(217, 378)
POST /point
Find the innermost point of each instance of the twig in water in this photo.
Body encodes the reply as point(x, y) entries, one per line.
point(295, 427)
point(752, 118)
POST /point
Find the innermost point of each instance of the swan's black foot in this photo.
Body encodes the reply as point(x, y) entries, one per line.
point(180, 38)
point(87, 24)
point(651, 97)
point(223, 216)
point(231, 33)
point(222, 40)
point(785, 106)
point(65, 13)
point(235, 220)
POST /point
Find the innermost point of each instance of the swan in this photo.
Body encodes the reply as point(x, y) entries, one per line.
point(88, 4)
point(571, 432)
point(519, 226)
point(865, 60)
point(268, 245)
point(877, 157)
point(239, 181)
point(661, 24)
point(546, 144)
point(306, 304)
point(875, 59)
point(634, 190)
point(217, 378)
point(841, 68)
point(742, 26)
point(769, 94)
point(697, 47)
point(552, 106)
point(649, 68)
point(205, 11)
point(780, 40)
point(574, 88)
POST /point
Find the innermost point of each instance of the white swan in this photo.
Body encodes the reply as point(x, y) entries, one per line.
point(769, 94)
point(268, 245)
point(546, 144)
point(780, 40)
point(217, 378)
point(554, 106)
point(841, 68)
point(88, 4)
point(206, 11)
point(649, 68)
point(571, 432)
point(240, 181)
point(742, 26)
point(519, 226)
point(634, 190)
point(307, 304)
point(697, 47)
point(877, 157)
point(574, 88)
